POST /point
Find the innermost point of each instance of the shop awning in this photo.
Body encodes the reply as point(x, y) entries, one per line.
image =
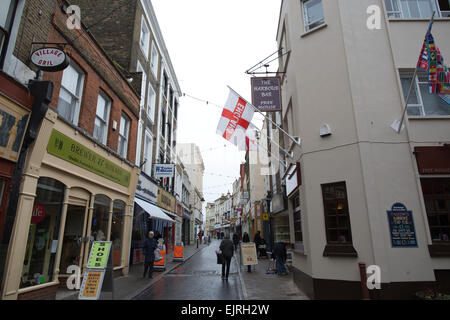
point(153, 211)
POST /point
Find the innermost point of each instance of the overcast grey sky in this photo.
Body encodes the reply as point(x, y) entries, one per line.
point(211, 44)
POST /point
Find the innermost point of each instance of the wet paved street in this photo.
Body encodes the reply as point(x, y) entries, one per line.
point(199, 278)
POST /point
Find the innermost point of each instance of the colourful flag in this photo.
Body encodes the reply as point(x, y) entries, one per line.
point(431, 60)
point(236, 117)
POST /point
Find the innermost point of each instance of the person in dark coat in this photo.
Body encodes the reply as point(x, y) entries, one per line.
point(246, 239)
point(150, 245)
point(280, 253)
point(226, 246)
point(236, 240)
point(257, 241)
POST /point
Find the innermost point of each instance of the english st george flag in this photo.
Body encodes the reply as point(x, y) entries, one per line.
point(235, 120)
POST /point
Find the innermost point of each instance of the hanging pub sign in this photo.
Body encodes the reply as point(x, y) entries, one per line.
point(50, 59)
point(401, 224)
point(266, 94)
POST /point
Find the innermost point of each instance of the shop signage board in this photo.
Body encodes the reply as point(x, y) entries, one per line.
point(249, 256)
point(164, 171)
point(293, 178)
point(50, 59)
point(266, 93)
point(265, 217)
point(69, 150)
point(401, 226)
point(13, 125)
point(99, 268)
point(166, 200)
point(147, 189)
point(433, 160)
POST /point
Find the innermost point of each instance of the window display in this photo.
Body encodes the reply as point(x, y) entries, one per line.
point(100, 218)
point(281, 229)
point(42, 243)
point(117, 231)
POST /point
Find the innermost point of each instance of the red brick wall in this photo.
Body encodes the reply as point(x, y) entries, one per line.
point(100, 73)
point(48, 293)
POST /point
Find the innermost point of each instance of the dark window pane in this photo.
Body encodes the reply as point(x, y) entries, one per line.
point(443, 219)
point(333, 236)
point(432, 221)
point(429, 205)
point(332, 222)
point(344, 236)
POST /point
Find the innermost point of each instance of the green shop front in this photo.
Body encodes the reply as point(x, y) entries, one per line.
point(74, 192)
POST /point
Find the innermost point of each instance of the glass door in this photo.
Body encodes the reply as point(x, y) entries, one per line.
point(74, 238)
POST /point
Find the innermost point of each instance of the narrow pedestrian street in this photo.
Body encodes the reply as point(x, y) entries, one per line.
point(199, 278)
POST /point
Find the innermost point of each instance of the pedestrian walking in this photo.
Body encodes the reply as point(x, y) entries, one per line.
point(226, 246)
point(280, 253)
point(149, 251)
point(257, 241)
point(246, 239)
point(236, 240)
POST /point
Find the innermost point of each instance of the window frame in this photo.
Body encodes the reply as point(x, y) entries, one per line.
point(139, 68)
point(124, 153)
point(151, 103)
point(307, 24)
point(417, 91)
point(146, 44)
point(336, 216)
point(5, 32)
point(297, 211)
point(78, 96)
point(108, 105)
point(148, 164)
point(154, 55)
point(400, 14)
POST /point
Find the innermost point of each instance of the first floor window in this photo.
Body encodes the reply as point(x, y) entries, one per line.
point(436, 193)
point(124, 133)
point(337, 218)
point(102, 118)
point(70, 94)
point(417, 8)
point(421, 101)
point(313, 14)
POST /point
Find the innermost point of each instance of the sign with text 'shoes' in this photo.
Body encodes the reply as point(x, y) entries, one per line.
point(99, 267)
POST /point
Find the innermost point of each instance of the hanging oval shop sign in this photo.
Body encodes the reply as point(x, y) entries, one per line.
point(50, 59)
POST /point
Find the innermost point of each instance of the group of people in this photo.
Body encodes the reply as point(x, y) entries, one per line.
point(228, 248)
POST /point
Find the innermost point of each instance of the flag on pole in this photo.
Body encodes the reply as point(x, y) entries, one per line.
point(431, 60)
point(245, 140)
point(236, 117)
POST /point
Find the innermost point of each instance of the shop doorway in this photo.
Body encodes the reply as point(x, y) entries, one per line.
point(74, 240)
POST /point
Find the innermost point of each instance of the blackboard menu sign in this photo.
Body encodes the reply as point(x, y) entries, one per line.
point(401, 224)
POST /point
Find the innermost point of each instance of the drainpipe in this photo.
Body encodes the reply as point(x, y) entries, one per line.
point(363, 275)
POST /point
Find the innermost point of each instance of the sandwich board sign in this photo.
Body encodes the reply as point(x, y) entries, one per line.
point(249, 256)
point(99, 268)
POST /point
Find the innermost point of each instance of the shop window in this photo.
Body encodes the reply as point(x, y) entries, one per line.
point(297, 219)
point(100, 218)
point(42, 243)
point(117, 231)
point(436, 193)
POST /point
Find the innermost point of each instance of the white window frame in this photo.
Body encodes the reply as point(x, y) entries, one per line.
point(148, 154)
point(151, 103)
point(139, 68)
point(78, 95)
point(144, 43)
point(105, 122)
point(154, 59)
point(407, 15)
point(418, 93)
point(308, 23)
point(123, 153)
